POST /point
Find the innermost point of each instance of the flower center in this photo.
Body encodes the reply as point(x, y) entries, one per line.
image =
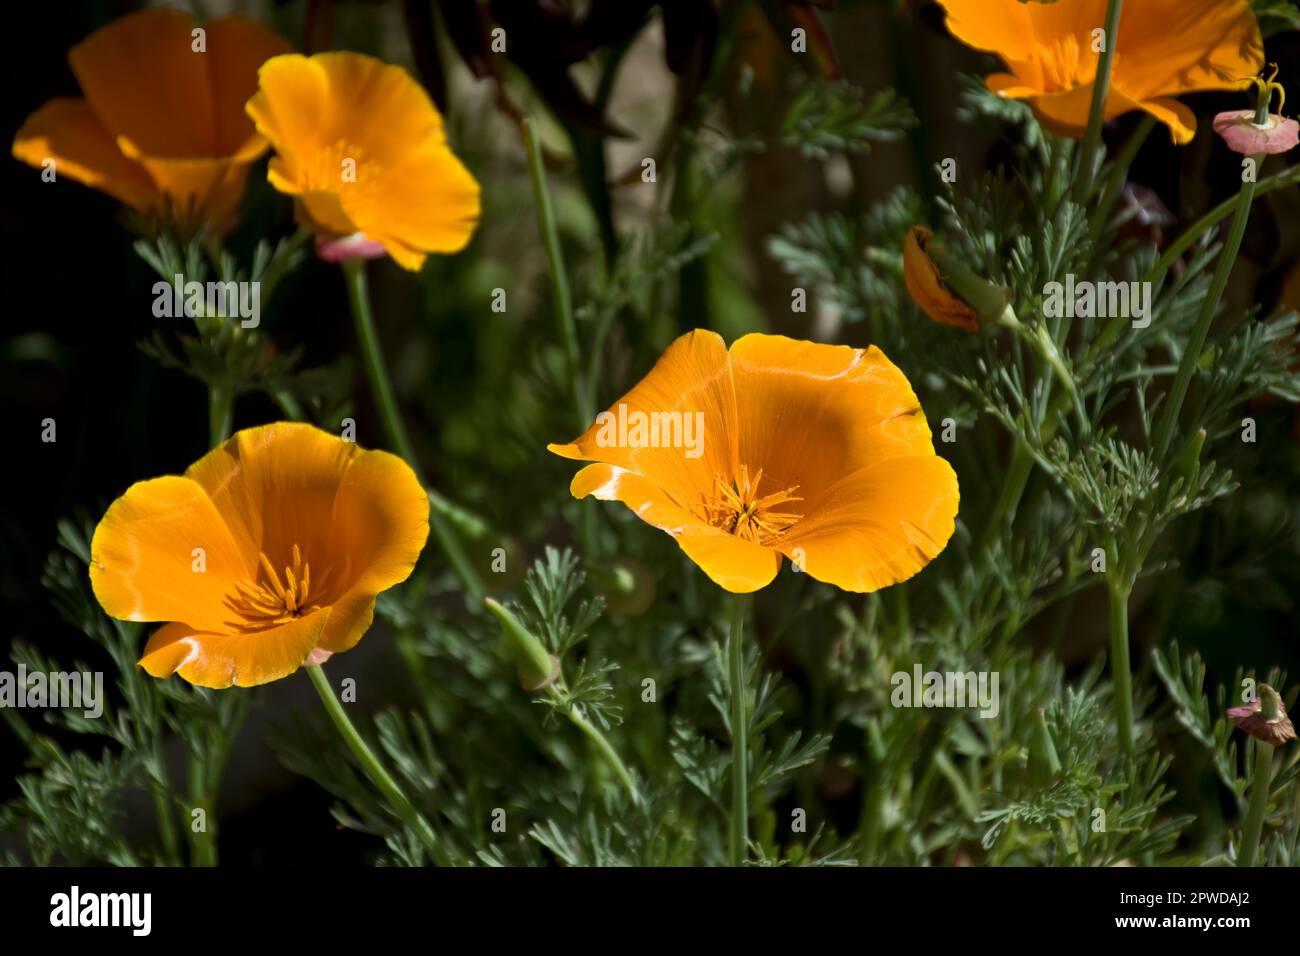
point(1064, 64)
point(736, 507)
point(343, 164)
point(269, 602)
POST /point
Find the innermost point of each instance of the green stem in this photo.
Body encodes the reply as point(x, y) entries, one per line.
point(166, 825)
point(874, 795)
point(1021, 467)
point(1212, 218)
point(1086, 169)
point(1209, 305)
point(288, 404)
point(203, 843)
point(562, 301)
point(1114, 187)
point(221, 401)
point(1013, 486)
point(381, 388)
point(380, 777)
point(1259, 788)
point(602, 744)
point(739, 834)
point(1120, 667)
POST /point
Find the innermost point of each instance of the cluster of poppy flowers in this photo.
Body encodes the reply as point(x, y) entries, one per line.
point(818, 453)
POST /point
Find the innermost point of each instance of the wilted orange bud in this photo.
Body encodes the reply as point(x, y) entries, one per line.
point(926, 287)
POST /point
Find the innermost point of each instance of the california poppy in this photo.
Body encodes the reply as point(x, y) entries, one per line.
point(265, 555)
point(1165, 48)
point(817, 452)
point(361, 147)
point(161, 124)
point(926, 286)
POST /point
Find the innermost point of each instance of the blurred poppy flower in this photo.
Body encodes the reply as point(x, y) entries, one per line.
point(817, 452)
point(1264, 718)
point(1165, 48)
point(361, 147)
point(160, 125)
point(267, 554)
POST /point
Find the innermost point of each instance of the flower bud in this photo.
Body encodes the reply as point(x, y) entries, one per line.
point(1044, 763)
point(536, 666)
point(946, 289)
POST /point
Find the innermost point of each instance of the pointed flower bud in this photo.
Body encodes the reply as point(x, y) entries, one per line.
point(537, 667)
point(1044, 763)
point(946, 289)
point(1264, 718)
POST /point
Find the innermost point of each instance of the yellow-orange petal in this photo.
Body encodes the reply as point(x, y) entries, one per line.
point(195, 189)
point(275, 485)
point(291, 108)
point(1180, 120)
point(245, 660)
point(403, 187)
point(926, 287)
point(1167, 47)
point(877, 526)
point(316, 209)
point(162, 552)
point(236, 49)
point(691, 381)
point(380, 523)
point(811, 413)
point(1066, 113)
point(1164, 48)
point(68, 132)
point(732, 563)
point(1004, 26)
point(144, 81)
point(427, 203)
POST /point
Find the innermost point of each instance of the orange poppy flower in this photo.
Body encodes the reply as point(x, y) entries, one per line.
point(265, 555)
point(926, 286)
point(361, 147)
point(1165, 48)
point(777, 447)
point(160, 126)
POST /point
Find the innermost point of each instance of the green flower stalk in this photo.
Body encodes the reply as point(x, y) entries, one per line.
point(370, 763)
point(739, 833)
point(537, 667)
point(1266, 720)
point(539, 670)
point(1088, 159)
point(442, 516)
point(1044, 763)
point(1210, 305)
